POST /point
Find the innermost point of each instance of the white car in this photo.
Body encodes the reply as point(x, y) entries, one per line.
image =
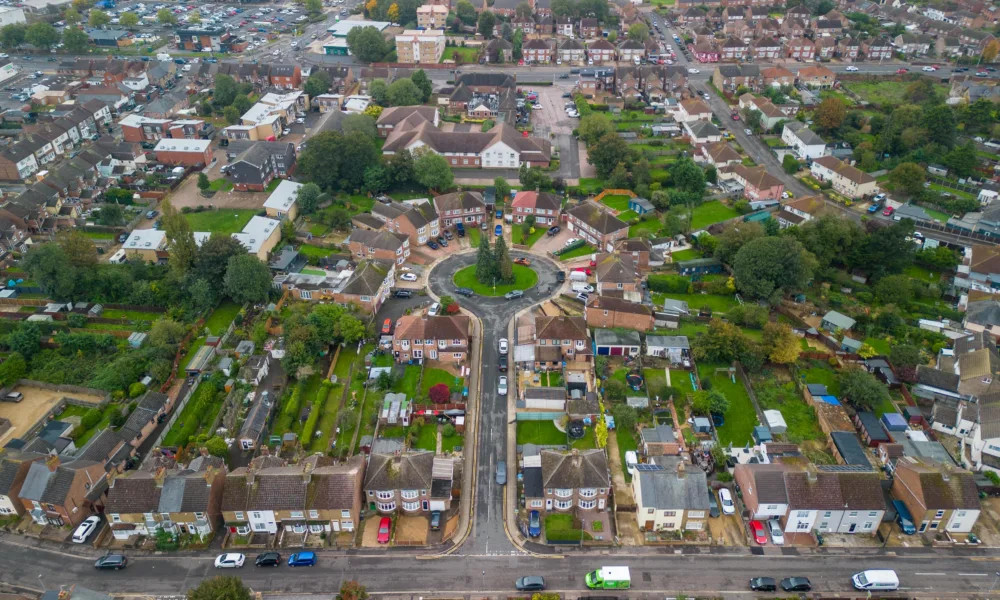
point(504, 344)
point(631, 460)
point(434, 310)
point(748, 132)
point(300, 120)
point(777, 536)
point(851, 69)
point(572, 241)
point(86, 528)
point(502, 385)
point(4, 55)
point(928, 69)
point(693, 71)
point(231, 560)
point(726, 499)
point(408, 277)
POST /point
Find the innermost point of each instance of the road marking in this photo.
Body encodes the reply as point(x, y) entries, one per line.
point(932, 574)
point(974, 574)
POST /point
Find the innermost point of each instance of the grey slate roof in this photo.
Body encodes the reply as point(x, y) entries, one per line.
point(983, 312)
point(665, 490)
point(667, 341)
point(413, 471)
point(610, 337)
point(586, 469)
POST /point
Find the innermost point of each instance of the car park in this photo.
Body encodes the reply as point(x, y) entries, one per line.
point(726, 499)
point(384, 527)
point(757, 529)
point(502, 385)
point(268, 559)
point(230, 560)
point(513, 295)
point(763, 584)
point(796, 584)
point(115, 562)
point(85, 529)
point(531, 583)
point(302, 559)
point(501, 474)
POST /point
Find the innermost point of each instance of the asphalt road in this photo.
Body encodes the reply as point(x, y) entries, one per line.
point(488, 536)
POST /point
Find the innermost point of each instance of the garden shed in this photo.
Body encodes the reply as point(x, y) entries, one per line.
point(870, 428)
point(702, 425)
point(641, 206)
point(761, 434)
point(609, 342)
point(545, 398)
point(833, 320)
point(894, 422)
point(775, 421)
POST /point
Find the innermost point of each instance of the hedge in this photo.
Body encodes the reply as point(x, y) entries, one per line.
point(290, 411)
point(317, 409)
point(669, 284)
point(577, 244)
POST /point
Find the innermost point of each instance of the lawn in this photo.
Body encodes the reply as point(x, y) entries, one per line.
point(73, 410)
point(524, 278)
point(327, 420)
point(450, 442)
point(619, 203)
point(204, 392)
point(320, 272)
point(741, 418)
point(272, 186)
point(560, 527)
point(718, 304)
point(99, 235)
point(517, 236)
point(318, 230)
point(407, 384)
point(880, 345)
point(655, 380)
point(647, 228)
point(823, 375)
point(921, 273)
point(474, 235)
point(427, 437)
point(947, 190)
point(132, 315)
point(799, 416)
point(882, 92)
point(689, 254)
point(221, 185)
point(550, 379)
point(218, 322)
point(541, 433)
point(314, 251)
point(626, 442)
point(587, 442)
point(886, 406)
point(577, 252)
point(433, 377)
point(628, 216)
point(466, 55)
point(220, 221)
point(940, 217)
point(710, 213)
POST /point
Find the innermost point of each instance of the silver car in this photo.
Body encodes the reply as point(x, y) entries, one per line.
point(502, 385)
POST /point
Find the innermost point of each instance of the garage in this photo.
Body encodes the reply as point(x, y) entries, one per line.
point(608, 342)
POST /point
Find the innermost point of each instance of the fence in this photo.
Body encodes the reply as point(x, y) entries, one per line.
point(935, 226)
point(177, 412)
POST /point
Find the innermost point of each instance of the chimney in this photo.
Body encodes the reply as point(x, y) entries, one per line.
point(577, 459)
point(681, 469)
point(811, 475)
point(52, 462)
point(159, 475)
point(307, 468)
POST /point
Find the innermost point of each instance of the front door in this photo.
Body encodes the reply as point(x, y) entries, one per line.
point(852, 528)
point(648, 526)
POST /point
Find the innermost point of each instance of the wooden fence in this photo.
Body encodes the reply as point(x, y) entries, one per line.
point(628, 193)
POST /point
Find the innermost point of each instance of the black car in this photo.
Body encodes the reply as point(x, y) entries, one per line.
point(560, 276)
point(442, 241)
point(448, 235)
point(432, 244)
point(553, 230)
point(122, 237)
point(796, 584)
point(502, 363)
point(111, 561)
point(530, 584)
point(403, 294)
point(268, 559)
point(763, 584)
point(465, 292)
point(713, 509)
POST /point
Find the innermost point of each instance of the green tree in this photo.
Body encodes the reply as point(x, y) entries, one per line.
point(194, 17)
point(307, 197)
point(466, 12)
point(906, 356)
point(939, 121)
point(367, 44)
point(688, 177)
point(781, 343)
point(318, 83)
point(517, 42)
point(72, 16)
point(403, 92)
point(225, 90)
point(166, 333)
point(97, 18)
point(222, 588)
point(790, 164)
point(377, 179)
point(432, 170)
point(501, 258)
point(165, 17)
point(830, 239)
point(217, 446)
point(595, 126)
point(13, 369)
point(25, 339)
point(523, 10)
point(626, 417)
point(710, 402)
point(13, 35)
point(894, 289)
point(314, 8)
point(502, 189)
point(203, 182)
point(378, 89)
point(400, 167)
point(75, 40)
point(487, 21)
point(862, 389)
point(41, 35)
point(766, 267)
point(110, 215)
point(724, 342)
point(609, 151)
point(180, 239)
point(212, 259)
point(128, 19)
point(51, 269)
point(247, 279)
point(486, 266)
point(423, 83)
point(830, 114)
point(962, 160)
point(336, 161)
point(359, 122)
point(907, 178)
point(734, 237)
point(638, 32)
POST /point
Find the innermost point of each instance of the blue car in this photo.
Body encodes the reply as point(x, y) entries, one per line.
point(500, 214)
point(498, 231)
point(534, 524)
point(302, 559)
point(874, 208)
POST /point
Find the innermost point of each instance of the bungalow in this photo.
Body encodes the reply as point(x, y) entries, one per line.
point(702, 132)
point(693, 110)
point(609, 342)
point(720, 154)
point(608, 311)
point(675, 347)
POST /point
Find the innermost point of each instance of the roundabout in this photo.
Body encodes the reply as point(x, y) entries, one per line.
point(524, 278)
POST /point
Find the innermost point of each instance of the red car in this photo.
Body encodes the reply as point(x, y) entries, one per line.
point(385, 524)
point(902, 71)
point(759, 535)
point(593, 263)
point(387, 326)
point(522, 261)
point(583, 270)
point(888, 211)
point(736, 117)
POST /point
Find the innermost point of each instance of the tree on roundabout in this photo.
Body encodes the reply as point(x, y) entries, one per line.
point(494, 265)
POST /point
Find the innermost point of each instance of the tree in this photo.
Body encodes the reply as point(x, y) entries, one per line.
point(501, 258)
point(830, 239)
point(217, 446)
point(25, 339)
point(128, 19)
point(378, 89)
point(225, 90)
point(486, 267)
point(423, 82)
point(314, 8)
point(41, 35)
point(533, 178)
point(399, 166)
point(502, 189)
point(221, 588)
point(79, 249)
point(432, 170)
point(638, 32)
point(98, 18)
point(241, 104)
point(213, 256)
point(335, 160)
point(940, 258)
point(907, 178)
point(361, 123)
point(194, 17)
point(403, 92)
point(466, 12)
point(615, 390)
point(352, 590)
point(862, 389)
point(523, 10)
point(307, 197)
point(318, 83)
point(790, 164)
point(894, 289)
point(781, 343)
point(710, 402)
point(626, 417)
point(608, 153)
point(203, 182)
point(886, 250)
point(367, 43)
point(247, 279)
point(939, 121)
point(13, 35)
point(595, 126)
point(830, 114)
point(688, 177)
point(231, 114)
point(75, 40)
point(963, 160)
point(377, 179)
point(724, 342)
point(180, 239)
point(487, 21)
point(823, 7)
point(990, 51)
point(166, 333)
point(165, 17)
point(49, 267)
point(612, 36)
point(110, 215)
point(439, 393)
point(72, 16)
point(766, 267)
point(13, 369)
point(734, 237)
point(753, 119)
point(517, 42)
point(906, 356)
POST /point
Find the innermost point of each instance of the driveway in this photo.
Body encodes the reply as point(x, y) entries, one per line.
point(546, 244)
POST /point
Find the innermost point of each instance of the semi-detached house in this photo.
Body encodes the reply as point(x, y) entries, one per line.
point(460, 207)
point(938, 496)
point(757, 183)
point(846, 179)
point(566, 336)
point(670, 497)
point(578, 481)
point(545, 207)
point(597, 226)
point(806, 143)
point(418, 221)
point(443, 338)
point(379, 245)
point(409, 483)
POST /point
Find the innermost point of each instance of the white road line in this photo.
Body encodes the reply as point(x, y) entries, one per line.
point(974, 574)
point(933, 574)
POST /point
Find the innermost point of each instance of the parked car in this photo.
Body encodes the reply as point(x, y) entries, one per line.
point(448, 235)
point(403, 294)
point(763, 584)
point(902, 71)
point(435, 520)
point(85, 529)
point(560, 276)
point(631, 460)
point(502, 468)
point(441, 240)
point(888, 211)
point(777, 536)
point(500, 214)
point(387, 326)
point(502, 363)
point(302, 559)
point(585, 270)
point(513, 295)
point(554, 230)
point(111, 561)
point(713, 505)
point(759, 536)
point(230, 560)
point(502, 385)
point(384, 527)
point(796, 584)
point(503, 345)
point(498, 230)
point(434, 309)
point(465, 292)
point(522, 261)
point(851, 69)
point(151, 214)
point(534, 524)
point(432, 244)
point(736, 116)
point(726, 499)
point(268, 559)
point(531, 583)
point(583, 297)
point(408, 277)
point(571, 241)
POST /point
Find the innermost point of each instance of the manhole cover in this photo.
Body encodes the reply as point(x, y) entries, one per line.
point(646, 577)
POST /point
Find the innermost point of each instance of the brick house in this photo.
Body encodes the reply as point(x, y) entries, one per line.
point(460, 207)
point(720, 154)
point(419, 222)
point(577, 481)
point(800, 48)
point(848, 49)
point(846, 179)
point(616, 272)
point(408, 483)
point(391, 117)
point(757, 183)
point(877, 49)
point(817, 77)
point(597, 226)
point(255, 167)
point(590, 28)
point(568, 334)
point(365, 244)
point(601, 51)
point(536, 51)
point(777, 76)
point(60, 494)
point(608, 312)
point(730, 77)
point(671, 497)
point(766, 49)
point(706, 52)
point(660, 440)
point(444, 338)
point(693, 109)
point(639, 250)
point(734, 49)
point(188, 153)
point(572, 51)
point(545, 207)
point(14, 467)
point(938, 496)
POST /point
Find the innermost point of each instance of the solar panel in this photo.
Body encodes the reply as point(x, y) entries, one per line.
point(647, 467)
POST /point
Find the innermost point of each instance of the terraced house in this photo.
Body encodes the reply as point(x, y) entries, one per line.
point(418, 337)
point(846, 179)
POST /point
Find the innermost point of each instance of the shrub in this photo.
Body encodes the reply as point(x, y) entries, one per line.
point(669, 284)
point(448, 430)
point(136, 389)
point(90, 418)
point(439, 393)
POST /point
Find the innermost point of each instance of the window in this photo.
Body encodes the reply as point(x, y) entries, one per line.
point(802, 526)
point(298, 514)
point(385, 495)
point(563, 493)
point(345, 514)
point(853, 513)
point(939, 514)
point(199, 515)
point(411, 506)
point(257, 515)
point(802, 514)
point(536, 504)
point(409, 494)
point(960, 513)
point(873, 513)
point(314, 514)
point(935, 524)
point(670, 513)
point(867, 526)
point(588, 504)
point(305, 295)
point(564, 505)
point(116, 518)
point(386, 506)
point(824, 525)
point(650, 511)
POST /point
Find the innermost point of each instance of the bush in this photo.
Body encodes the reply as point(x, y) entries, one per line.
point(117, 418)
point(439, 393)
point(669, 284)
point(136, 389)
point(448, 430)
point(77, 321)
point(91, 418)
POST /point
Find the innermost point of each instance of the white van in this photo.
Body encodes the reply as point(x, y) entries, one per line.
point(631, 460)
point(878, 580)
point(162, 56)
point(85, 529)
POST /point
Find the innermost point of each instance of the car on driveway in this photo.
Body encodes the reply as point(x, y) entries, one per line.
point(465, 292)
point(268, 559)
point(513, 295)
point(888, 211)
point(432, 244)
point(796, 584)
point(86, 528)
point(498, 230)
point(763, 584)
point(302, 559)
point(230, 560)
point(403, 294)
point(713, 505)
point(554, 230)
point(387, 326)
point(759, 535)
point(384, 527)
point(726, 499)
point(435, 520)
point(531, 583)
point(441, 240)
point(534, 524)
point(777, 536)
point(408, 277)
point(116, 562)
point(501, 470)
point(502, 385)
point(584, 270)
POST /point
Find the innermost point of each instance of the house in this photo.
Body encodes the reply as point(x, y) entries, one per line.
point(630, 50)
point(877, 49)
point(420, 47)
point(568, 334)
point(766, 49)
point(848, 49)
point(817, 77)
point(416, 220)
point(575, 481)
point(846, 179)
point(314, 497)
point(188, 153)
point(564, 26)
point(499, 148)
point(443, 338)
point(757, 183)
point(365, 287)
point(432, 16)
point(676, 348)
point(764, 493)
point(720, 154)
point(56, 493)
point(616, 272)
point(14, 467)
point(914, 44)
point(536, 51)
point(498, 51)
point(281, 203)
point(702, 132)
point(835, 321)
point(601, 51)
point(806, 144)
point(800, 210)
point(729, 77)
point(596, 225)
point(706, 52)
point(572, 51)
point(544, 206)
point(983, 315)
point(409, 482)
point(734, 49)
point(770, 114)
point(660, 440)
point(777, 76)
point(460, 207)
point(669, 496)
point(590, 28)
point(255, 369)
point(177, 501)
point(379, 245)
point(693, 110)
point(143, 419)
point(607, 311)
point(391, 117)
point(259, 163)
point(641, 251)
point(938, 496)
point(616, 343)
